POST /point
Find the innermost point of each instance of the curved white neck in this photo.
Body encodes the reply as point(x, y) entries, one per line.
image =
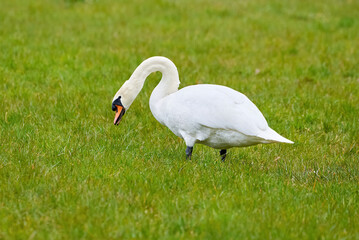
point(168, 84)
point(156, 64)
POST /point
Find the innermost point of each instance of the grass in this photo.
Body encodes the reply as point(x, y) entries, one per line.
point(67, 173)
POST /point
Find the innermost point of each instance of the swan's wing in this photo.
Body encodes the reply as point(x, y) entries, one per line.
point(221, 107)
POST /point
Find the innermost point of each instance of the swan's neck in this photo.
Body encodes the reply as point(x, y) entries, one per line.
point(168, 84)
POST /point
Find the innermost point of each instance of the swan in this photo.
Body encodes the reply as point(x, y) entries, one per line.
point(213, 115)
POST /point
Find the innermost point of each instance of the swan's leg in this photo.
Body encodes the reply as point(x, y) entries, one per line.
point(189, 152)
point(190, 141)
point(223, 154)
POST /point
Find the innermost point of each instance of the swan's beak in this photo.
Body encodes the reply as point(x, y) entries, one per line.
point(119, 113)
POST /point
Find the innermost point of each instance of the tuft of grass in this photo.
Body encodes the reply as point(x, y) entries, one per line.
point(67, 173)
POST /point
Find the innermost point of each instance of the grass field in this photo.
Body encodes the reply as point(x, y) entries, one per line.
point(67, 173)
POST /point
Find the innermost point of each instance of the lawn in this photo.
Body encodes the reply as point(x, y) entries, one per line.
point(66, 172)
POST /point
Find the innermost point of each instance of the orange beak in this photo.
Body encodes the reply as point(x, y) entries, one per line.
point(119, 113)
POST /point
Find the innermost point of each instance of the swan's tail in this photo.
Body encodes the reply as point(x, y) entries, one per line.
point(271, 136)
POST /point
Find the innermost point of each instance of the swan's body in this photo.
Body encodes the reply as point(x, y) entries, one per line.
point(213, 115)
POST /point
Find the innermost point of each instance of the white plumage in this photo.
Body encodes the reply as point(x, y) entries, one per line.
point(213, 115)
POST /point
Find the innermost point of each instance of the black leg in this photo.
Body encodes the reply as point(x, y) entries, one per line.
point(223, 154)
point(189, 152)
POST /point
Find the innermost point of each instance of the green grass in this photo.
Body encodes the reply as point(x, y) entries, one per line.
point(67, 173)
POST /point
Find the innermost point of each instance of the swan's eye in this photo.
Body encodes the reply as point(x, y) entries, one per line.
point(116, 102)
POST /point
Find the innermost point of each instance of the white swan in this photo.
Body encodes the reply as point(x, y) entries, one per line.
point(213, 115)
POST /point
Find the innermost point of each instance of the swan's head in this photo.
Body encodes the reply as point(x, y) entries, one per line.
point(120, 110)
point(123, 100)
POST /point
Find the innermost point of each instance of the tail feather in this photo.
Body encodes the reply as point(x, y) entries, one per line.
point(272, 136)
